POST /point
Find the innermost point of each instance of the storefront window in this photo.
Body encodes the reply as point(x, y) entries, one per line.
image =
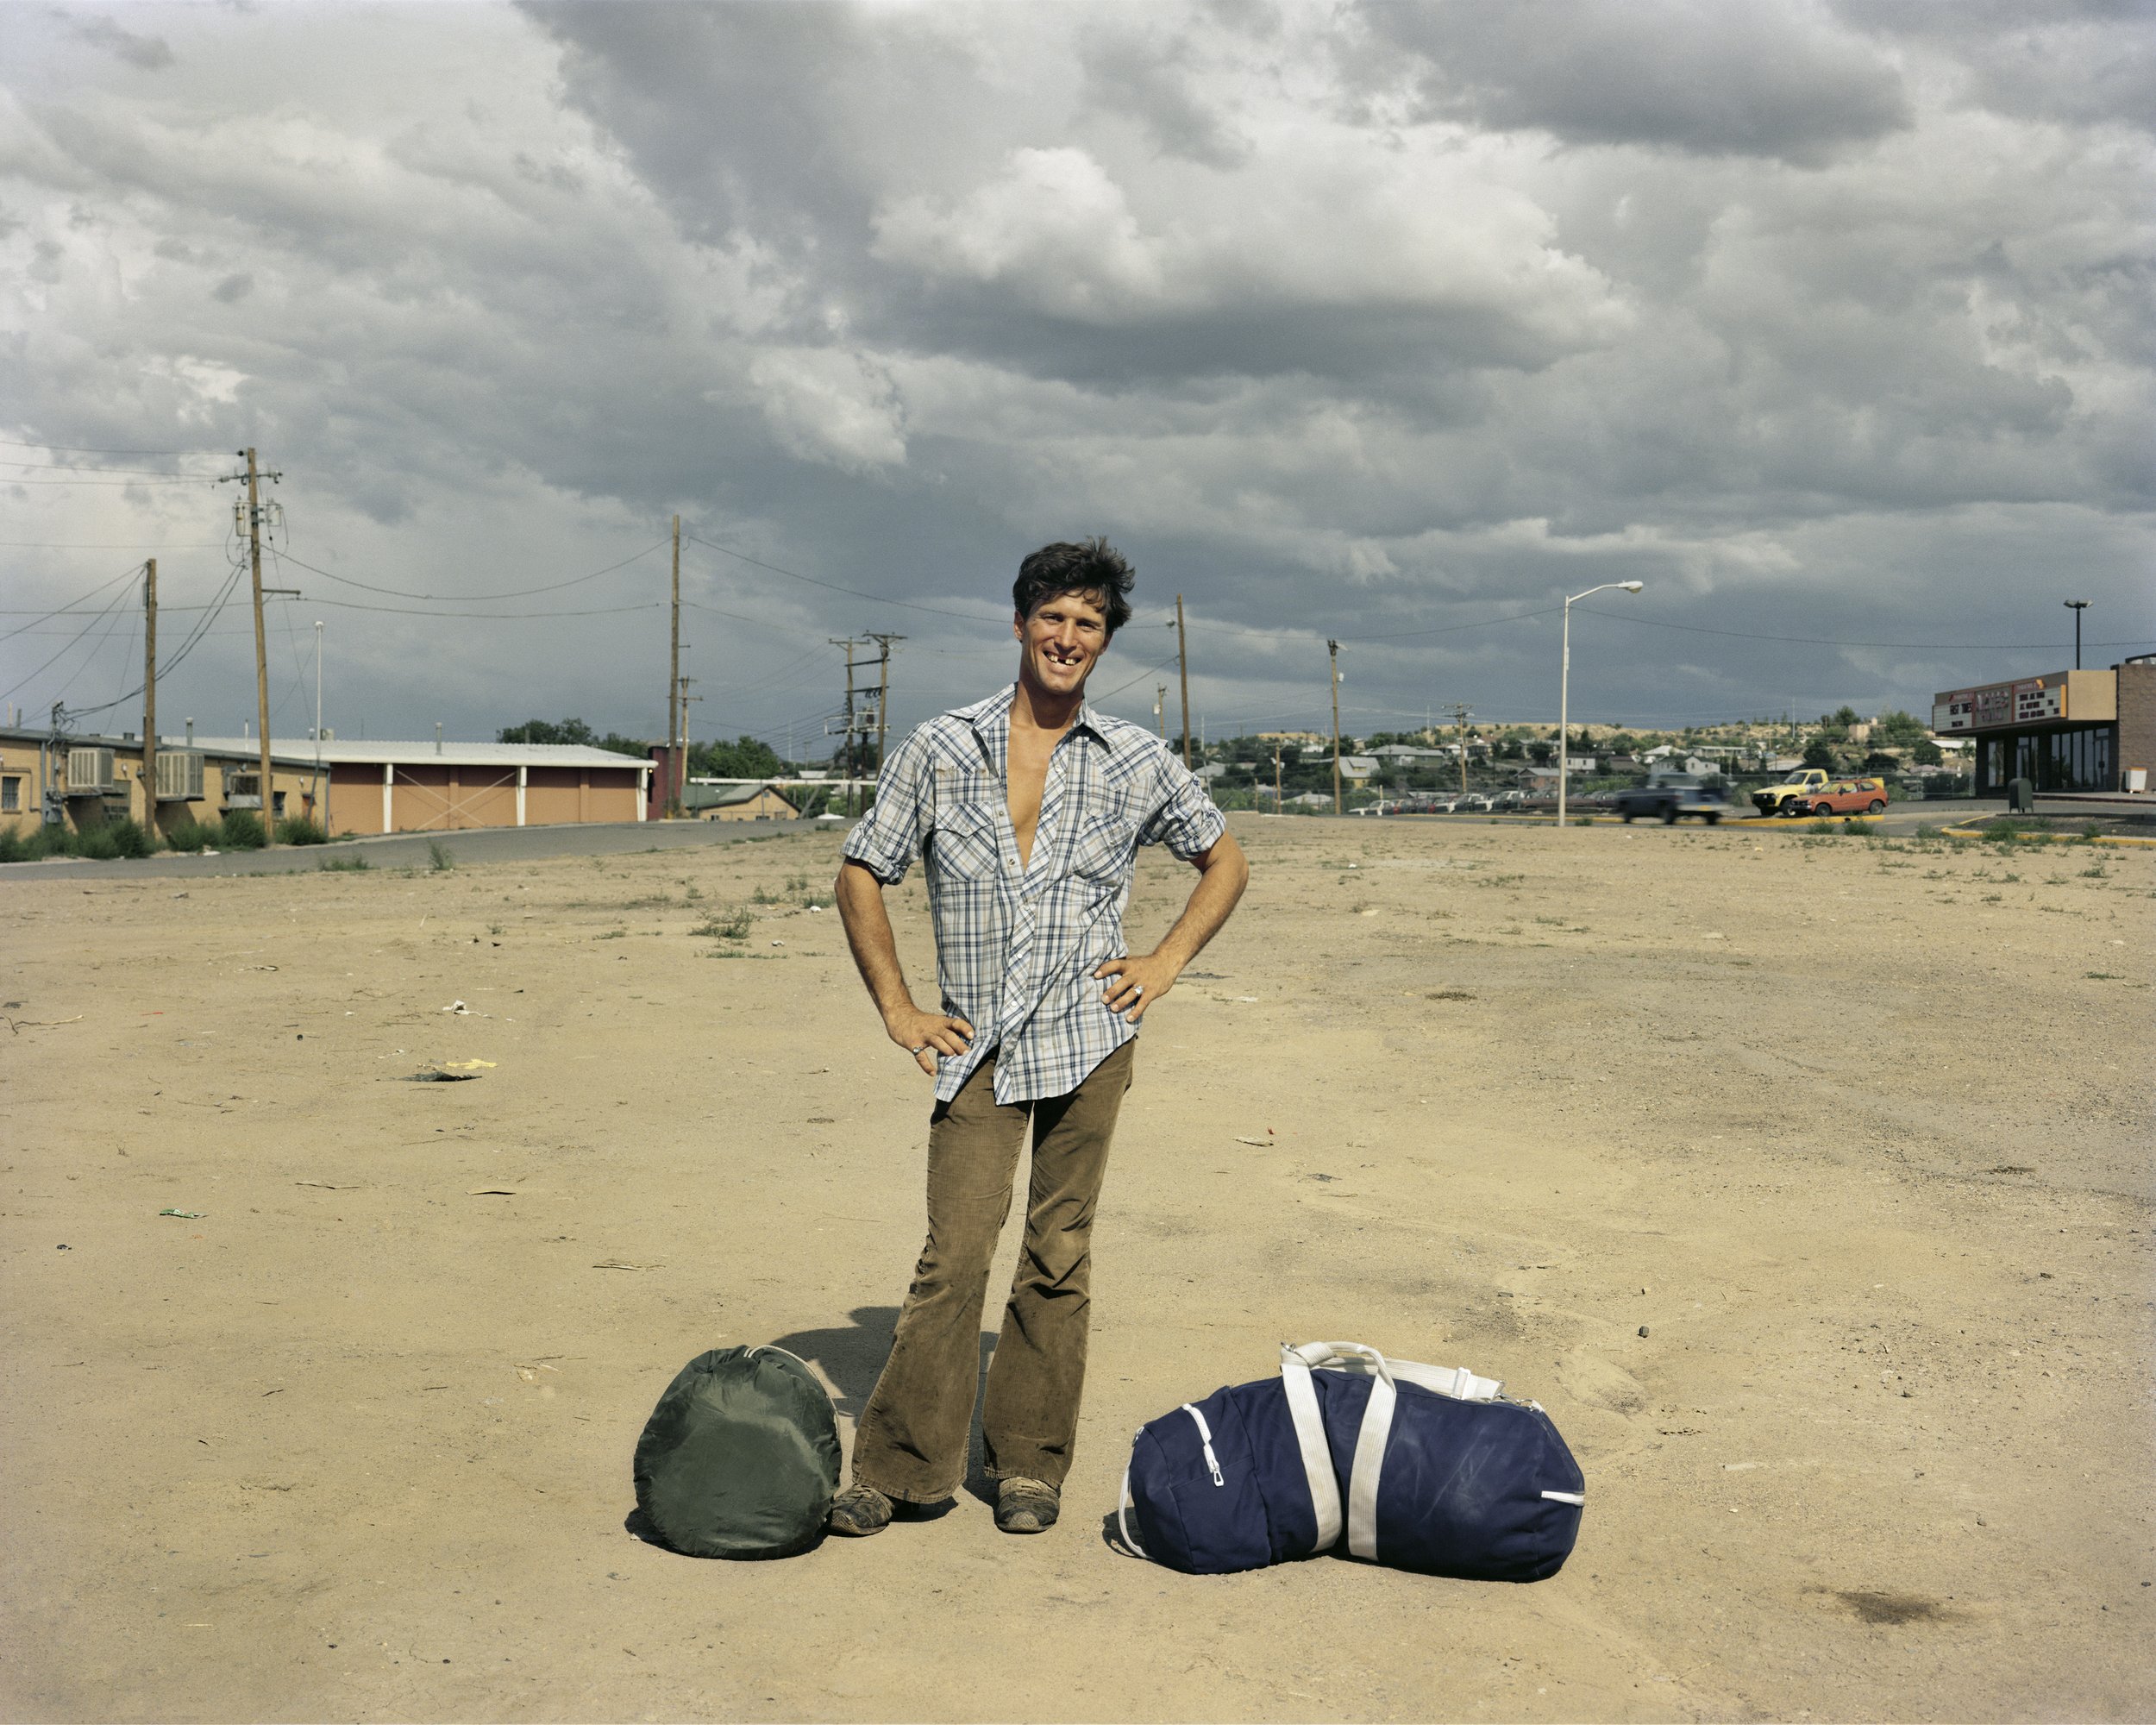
point(2081, 759)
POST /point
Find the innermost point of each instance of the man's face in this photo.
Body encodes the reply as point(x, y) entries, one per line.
point(1059, 643)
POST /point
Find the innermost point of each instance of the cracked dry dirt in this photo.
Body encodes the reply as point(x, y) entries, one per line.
point(1805, 1181)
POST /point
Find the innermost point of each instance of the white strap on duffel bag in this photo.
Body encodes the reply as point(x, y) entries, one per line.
point(1296, 1363)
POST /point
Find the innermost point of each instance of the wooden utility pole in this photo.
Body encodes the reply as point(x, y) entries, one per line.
point(1459, 717)
point(1333, 647)
point(261, 645)
point(1276, 802)
point(1160, 717)
point(847, 772)
point(677, 715)
point(149, 697)
point(883, 694)
point(1182, 665)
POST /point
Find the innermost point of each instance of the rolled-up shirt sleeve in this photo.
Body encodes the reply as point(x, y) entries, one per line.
point(1185, 820)
point(887, 838)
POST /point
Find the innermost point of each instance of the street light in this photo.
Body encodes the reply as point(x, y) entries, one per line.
point(2076, 606)
point(1564, 684)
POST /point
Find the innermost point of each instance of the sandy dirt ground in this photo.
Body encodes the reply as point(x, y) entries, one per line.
point(1805, 1180)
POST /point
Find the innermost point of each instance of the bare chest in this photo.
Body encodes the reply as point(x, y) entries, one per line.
point(1025, 778)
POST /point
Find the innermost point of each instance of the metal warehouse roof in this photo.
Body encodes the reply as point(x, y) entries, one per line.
point(345, 751)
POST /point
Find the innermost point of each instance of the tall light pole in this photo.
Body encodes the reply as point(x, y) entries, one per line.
point(1564, 684)
point(2076, 606)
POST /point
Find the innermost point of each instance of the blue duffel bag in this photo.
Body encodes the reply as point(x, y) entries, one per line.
point(1420, 1467)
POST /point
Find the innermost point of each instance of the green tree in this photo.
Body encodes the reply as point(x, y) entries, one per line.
point(572, 731)
point(1817, 754)
point(743, 758)
point(539, 731)
point(1897, 730)
point(1926, 753)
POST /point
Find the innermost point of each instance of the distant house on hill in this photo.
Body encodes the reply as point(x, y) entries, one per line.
point(1358, 767)
point(1313, 799)
point(737, 802)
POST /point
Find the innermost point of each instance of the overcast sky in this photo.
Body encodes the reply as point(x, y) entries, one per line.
point(1395, 323)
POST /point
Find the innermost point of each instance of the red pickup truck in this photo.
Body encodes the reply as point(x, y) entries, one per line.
point(1851, 796)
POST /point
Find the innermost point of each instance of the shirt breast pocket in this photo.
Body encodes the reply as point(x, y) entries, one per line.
point(1107, 833)
point(966, 840)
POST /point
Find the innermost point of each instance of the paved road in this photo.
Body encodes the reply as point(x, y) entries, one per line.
point(415, 849)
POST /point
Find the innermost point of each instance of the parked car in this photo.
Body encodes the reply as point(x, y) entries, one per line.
point(1668, 797)
point(1791, 795)
point(1475, 803)
point(1852, 796)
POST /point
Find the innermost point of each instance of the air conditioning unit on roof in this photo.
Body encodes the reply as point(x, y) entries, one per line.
point(90, 773)
point(179, 776)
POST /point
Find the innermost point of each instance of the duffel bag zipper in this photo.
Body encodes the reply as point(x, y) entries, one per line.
point(1205, 1442)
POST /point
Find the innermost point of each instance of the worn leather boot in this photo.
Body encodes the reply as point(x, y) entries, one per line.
point(859, 1511)
point(1026, 1506)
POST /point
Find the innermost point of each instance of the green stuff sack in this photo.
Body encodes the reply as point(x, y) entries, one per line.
point(740, 1458)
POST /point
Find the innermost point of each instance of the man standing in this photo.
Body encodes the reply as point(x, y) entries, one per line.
point(1028, 809)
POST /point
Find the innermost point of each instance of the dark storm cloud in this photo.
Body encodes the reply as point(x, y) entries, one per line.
point(1699, 76)
point(145, 54)
point(2081, 62)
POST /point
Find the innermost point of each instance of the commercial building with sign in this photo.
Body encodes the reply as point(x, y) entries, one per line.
point(2064, 731)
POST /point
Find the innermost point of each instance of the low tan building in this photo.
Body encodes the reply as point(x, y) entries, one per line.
point(350, 788)
point(90, 780)
point(447, 787)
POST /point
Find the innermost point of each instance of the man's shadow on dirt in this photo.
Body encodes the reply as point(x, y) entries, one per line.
point(853, 1356)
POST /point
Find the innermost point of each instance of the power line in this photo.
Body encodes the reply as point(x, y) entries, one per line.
point(102, 616)
point(162, 480)
point(854, 592)
point(1818, 641)
point(1139, 678)
point(47, 616)
point(72, 468)
point(478, 599)
point(497, 616)
point(78, 450)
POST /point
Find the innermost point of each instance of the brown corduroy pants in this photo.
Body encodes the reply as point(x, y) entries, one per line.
point(910, 1442)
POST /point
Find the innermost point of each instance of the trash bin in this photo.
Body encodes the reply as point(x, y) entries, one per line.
point(2021, 795)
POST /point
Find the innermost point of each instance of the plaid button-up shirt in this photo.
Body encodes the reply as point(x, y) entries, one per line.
point(1016, 945)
